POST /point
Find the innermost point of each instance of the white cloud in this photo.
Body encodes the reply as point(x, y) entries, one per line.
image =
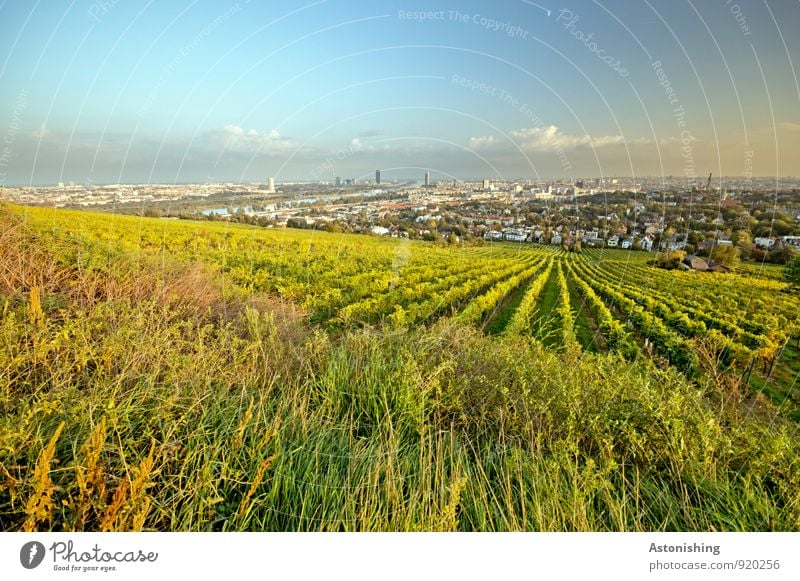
point(548, 139)
point(478, 143)
point(356, 145)
point(41, 133)
point(235, 139)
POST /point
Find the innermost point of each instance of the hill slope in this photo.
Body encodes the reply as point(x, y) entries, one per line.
point(166, 376)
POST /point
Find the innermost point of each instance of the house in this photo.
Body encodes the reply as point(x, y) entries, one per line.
point(514, 236)
point(593, 241)
point(613, 242)
point(677, 242)
point(764, 242)
point(792, 241)
point(696, 263)
point(556, 239)
point(627, 244)
point(653, 229)
point(647, 244)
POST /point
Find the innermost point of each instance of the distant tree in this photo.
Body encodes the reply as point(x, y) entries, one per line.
point(670, 260)
point(780, 254)
point(452, 239)
point(743, 241)
point(792, 271)
point(758, 254)
point(727, 255)
point(296, 223)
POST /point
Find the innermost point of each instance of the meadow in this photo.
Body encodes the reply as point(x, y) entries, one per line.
point(203, 376)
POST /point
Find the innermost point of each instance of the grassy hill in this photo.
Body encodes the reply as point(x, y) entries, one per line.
point(164, 375)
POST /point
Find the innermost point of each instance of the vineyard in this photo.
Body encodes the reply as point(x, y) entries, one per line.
point(746, 323)
point(507, 386)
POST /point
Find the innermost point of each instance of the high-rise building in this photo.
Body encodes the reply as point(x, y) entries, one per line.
point(271, 187)
point(486, 185)
point(338, 181)
point(377, 176)
point(427, 179)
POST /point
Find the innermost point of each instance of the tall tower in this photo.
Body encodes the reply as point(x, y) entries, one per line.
point(271, 187)
point(427, 179)
point(377, 176)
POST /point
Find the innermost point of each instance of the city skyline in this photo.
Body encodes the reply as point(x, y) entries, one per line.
point(108, 92)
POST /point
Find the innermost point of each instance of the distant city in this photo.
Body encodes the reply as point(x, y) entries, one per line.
point(639, 214)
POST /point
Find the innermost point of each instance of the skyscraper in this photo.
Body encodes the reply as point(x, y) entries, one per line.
point(271, 187)
point(427, 179)
point(377, 176)
point(338, 181)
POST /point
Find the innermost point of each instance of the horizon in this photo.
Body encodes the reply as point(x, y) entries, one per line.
point(391, 179)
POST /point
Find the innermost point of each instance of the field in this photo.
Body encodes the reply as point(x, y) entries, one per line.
point(169, 375)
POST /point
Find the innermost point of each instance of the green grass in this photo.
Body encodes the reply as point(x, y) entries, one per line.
point(545, 320)
point(782, 385)
point(585, 327)
point(501, 316)
point(143, 394)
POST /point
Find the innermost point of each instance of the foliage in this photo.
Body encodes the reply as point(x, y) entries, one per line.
point(670, 260)
point(792, 271)
point(727, 255)
point(201, 377)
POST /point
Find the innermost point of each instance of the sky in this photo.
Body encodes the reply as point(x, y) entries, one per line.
point(123, 91)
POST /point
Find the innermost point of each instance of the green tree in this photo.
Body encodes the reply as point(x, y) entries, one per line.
point(792, 271)
point(780, 254)
point(743, 241)
point(727, 255)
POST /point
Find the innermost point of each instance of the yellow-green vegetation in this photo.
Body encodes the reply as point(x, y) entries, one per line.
point(163, 375)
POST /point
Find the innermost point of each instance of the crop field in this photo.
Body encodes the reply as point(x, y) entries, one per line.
point(171, 375)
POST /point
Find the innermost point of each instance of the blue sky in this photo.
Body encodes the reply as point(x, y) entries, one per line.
point(110, 91)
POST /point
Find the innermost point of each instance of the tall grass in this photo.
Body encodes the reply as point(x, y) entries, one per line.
point(139, 397)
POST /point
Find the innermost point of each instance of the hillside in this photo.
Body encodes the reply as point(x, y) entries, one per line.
point(165, 375)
